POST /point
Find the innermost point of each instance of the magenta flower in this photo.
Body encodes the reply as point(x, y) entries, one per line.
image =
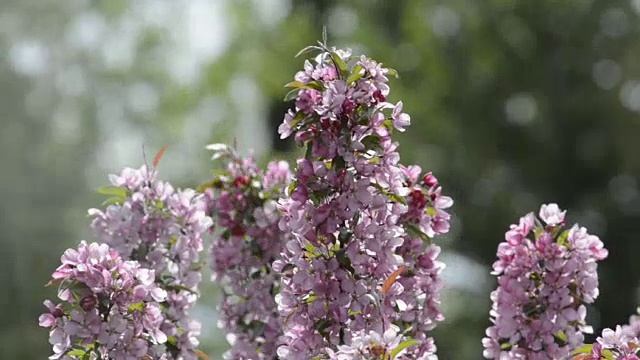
point(242, 202)
point(613, 344)
point(355, 218)
point(162, 228)
point(546, 276)
point(109, 309)
point(552, 215)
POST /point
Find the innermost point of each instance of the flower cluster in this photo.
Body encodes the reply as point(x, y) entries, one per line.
point(242, 201)
point(332, 262)
point(544, 283)
point(162, 228)
point(619, 344)
point(358, 259)
point(633, 328)
point(111, 307)
point(612, 345)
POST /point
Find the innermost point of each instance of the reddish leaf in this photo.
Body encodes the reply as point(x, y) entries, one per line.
point(202, 355)
point(582, 357)
point(392, 279)
point(156, 159)
point(52, 282)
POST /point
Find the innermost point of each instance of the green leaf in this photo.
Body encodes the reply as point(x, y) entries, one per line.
point(344, 236)
point(310, 298)
point(113, 201)
point(339, 63)
point(299, 117)
point(338, 163)
point(371, 142)
point(356, 74)
point(256, 249)
point(344, 260)
point(585, 349)
point(352, 312)
point(562, 239)
point(77, 352)
point(561, 338)
point(537, 232)
point(311, 249)
point(292, 187)
point(312, 85)
point(73, 286)
point(416, 232)
point(393, 197)
point(307, 153)
point(180, 288)
point(172, 340)
point(397, 198)
point(608, 354)
point(392, 72)
point(139, 306)
point(322, 325)
point(113, 191)
point(403, 345)
point(216, 173)
point(286, 319)
point(308, 49)
point(291, 95)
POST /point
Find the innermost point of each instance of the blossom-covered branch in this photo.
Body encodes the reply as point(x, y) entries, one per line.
point(354, 218)
point(546, 276)
point(616, 344)
point(242, 201)
point(111, 307)
point(162, 228)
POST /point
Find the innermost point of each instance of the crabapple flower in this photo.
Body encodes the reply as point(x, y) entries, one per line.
point(619, 344)
point(552, 215)
point(242, 202)
point(357, 259)
point(371, 345)
point(546, 276)
point(615, 344)
point(162, 228)
point(633, 328)
point(111, 308)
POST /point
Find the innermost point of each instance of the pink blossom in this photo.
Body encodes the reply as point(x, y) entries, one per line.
point(552, 215)
point(354, 217)
point(108, 307)
point(163, 228)
point(247, 240)
point(545, 279)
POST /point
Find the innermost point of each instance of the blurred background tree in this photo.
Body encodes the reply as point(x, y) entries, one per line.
point(513, 103)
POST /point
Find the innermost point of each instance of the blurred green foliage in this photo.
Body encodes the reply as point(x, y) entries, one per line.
point(513, 103)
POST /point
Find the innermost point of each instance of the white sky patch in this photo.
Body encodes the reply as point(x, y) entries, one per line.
point(445, 22)
point(87, 30)
point(271, 12)
point(199, 35)
point(251, 128)
point(29, 57)
point(520, 108)
point(463, 273)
